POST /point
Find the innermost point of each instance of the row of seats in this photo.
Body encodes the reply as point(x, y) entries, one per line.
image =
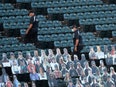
point(16, 47)
point(54, 30)
point(49, 23)
point(78, 9)
point(18, 25)
point(63, 3)
point(96, 41)
point(8, 41)
point(105, 27)
point(63, 43)
point(6, 6)
point(90, 21)
point(14, 19)
point(86, 15)
point(55, 37)
point(20, 18)
point(13, 12)
point(41, 18)
point(18, 22)
point(87, 36)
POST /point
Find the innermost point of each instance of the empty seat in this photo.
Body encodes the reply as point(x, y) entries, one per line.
point(108, 14)
point(70, 9)
point(47, 38)
point(61, 36)
point(34, 5)
point(80, 15)
point(69, 36)
point(56, 10)
point(54, 37)
point(8, 6)
point(64, 43)
point(66, 16)
point(56, 23)
point(50, 10)
point(48, 4)
point(41, 38)
point(101, 14)
point(57, 44)
point(55, 4)
point(63, 10)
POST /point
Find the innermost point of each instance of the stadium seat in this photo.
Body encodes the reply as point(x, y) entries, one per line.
point(49, 24)
point(73, 16)
point(105, 27)
point(24, 12)
point(94, 14)
point(1, 6)
point(61, 37)
point(101, 14)
point(62, 3)
point(50, 10)
point(112, 26)
point(48, 4)
point(57, 44)
point(102, 20)
point(69, 36)
point(34, 5)
point(8, 6)
point(42, 23)
point(9, 13)
point(56, 10)
point(87, 15)
point(63, 10)
point(55, 4)
point(47, 38)
point(54, 37)
point(70, 9)
point(66, 16)
point(80, 15)
point(82, 21)
point(70, 43)
point(85, 8)
point(41, 18)
point(41, 38)
point(64, 44)
point(108, 14)
point(56, 23)
point(89, 21)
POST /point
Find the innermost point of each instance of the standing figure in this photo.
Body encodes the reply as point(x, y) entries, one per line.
point(77, 39)
point(31, 32)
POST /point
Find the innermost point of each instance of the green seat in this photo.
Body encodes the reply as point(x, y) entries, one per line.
point(57, 44)
point(64, 44)
point(66, 16)
point(54, 37)
point(34, 5)
point(41, 38)
point(8, 6)
point(69, 36)
point(70, 43)
point(61, 37)
point(47, 38)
